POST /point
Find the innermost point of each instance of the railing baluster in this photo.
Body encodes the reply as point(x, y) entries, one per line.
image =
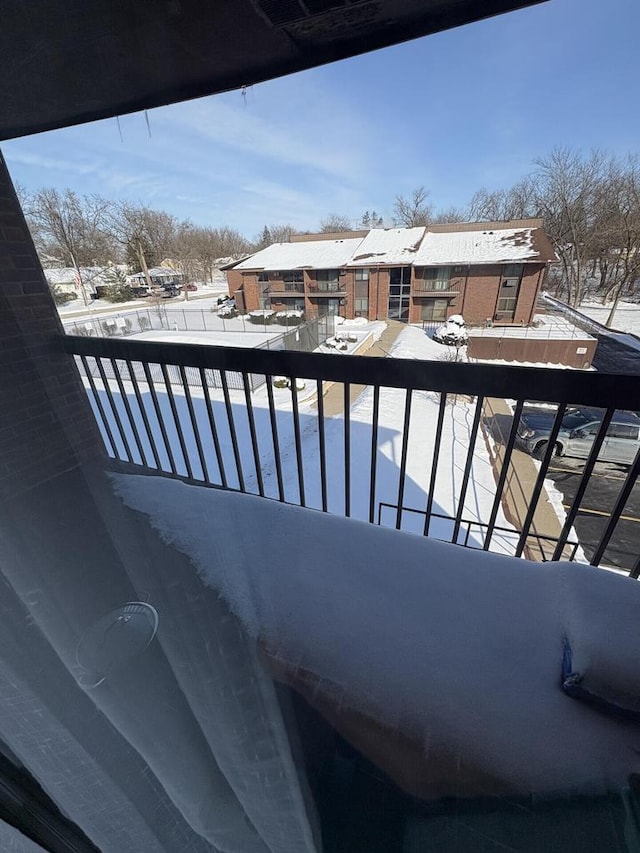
point(114, 409)
point(298, 440)
point(467, 467)
point(503, 474)
point(274, 435)
point(434, 464)
point(194, 424)
point(232, 429)
point(621, 501)
point(143, 415)
point(321, 443)
point(159, 417)
point(96, 397)
point(584, 482)
point(347, 449)
point(537, 489)
point(213, 428)
point(176, 419)
point(125, 401)
point(252, 433)
point(403, 457)
point(374, 452)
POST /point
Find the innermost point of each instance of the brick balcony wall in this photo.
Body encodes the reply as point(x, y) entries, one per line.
point(47, 424)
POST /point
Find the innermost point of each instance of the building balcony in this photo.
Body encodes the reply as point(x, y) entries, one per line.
point(285, 290)
point(431, 292)
point(480, 404)
point(326, 289)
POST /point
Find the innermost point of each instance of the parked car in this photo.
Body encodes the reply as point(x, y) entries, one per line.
point(190, 287)
point(579, 429)
point(140, 292)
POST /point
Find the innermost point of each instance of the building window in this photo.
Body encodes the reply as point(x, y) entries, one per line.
point(362, 274)
point(436, 278)
point(293, 281)
point(509, 289)
point(400, 276)
point(263, 276)
point(434, 310)
point(327, 280)
point(361, 306)
point(399, 290)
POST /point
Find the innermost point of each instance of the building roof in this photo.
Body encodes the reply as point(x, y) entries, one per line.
point(388, 246)
point(459, 243)
point(68, 275)
point(115, 58)
point(478, 247)
point(158, 272)
point(312, 254)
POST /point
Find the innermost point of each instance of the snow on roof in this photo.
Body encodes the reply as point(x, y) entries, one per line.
point(158, 272)
point(477, 247)
point(67, 275)
point(388, 246)
point(315, 254)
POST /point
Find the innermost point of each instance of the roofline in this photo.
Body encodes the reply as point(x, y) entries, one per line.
point(492, 225)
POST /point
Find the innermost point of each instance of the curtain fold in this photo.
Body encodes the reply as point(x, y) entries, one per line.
point(190, 725)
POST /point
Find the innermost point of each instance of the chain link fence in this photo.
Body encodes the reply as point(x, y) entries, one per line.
point(306, 337)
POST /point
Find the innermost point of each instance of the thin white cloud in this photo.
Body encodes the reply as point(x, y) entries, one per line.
point(286, 132)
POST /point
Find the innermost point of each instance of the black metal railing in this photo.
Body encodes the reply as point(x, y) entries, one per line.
point(420, 437)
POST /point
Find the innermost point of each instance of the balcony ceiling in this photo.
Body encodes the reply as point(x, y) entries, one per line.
point(72, 62)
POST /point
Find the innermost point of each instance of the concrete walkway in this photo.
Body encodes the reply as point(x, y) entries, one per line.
point(334, 394)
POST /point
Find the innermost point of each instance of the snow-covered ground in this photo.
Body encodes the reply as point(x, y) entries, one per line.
point(412, 343)
point(206, 296)
point(626, 318)
point(219, 339)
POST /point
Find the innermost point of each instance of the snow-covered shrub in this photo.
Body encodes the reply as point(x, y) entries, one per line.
point(260, 317)
point(289, 318)
point(453, 333)
point(144, 323)
point(228, 312)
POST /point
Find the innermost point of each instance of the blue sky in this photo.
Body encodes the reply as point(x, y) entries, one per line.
point(456, 111)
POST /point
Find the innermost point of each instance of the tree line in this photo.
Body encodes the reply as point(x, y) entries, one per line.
point(590, 203)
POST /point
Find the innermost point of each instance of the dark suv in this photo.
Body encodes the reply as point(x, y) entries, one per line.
point(577, 434)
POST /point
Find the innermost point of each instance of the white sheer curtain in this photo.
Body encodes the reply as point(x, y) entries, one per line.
point(183, 747)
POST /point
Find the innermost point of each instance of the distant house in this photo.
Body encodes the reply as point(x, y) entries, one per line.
point(490, 272)
point(66, 279)
point(164, 277)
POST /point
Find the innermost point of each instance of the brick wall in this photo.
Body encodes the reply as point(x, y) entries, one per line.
point(47, 426)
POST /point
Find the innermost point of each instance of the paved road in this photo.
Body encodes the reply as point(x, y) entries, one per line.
point(613, 356)
point(600, 498)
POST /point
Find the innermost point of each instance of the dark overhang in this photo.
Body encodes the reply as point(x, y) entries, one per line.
point(63, 63)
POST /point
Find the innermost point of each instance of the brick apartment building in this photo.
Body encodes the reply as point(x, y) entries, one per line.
point(486, 271)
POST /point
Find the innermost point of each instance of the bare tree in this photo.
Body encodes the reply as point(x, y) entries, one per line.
point(619, 231)
point(145, 235)
point(198, 248)
point(451, 214)
point(408, 212)
point(568, 186)
point(74, 224)
point(335, 222)
point(518, 202)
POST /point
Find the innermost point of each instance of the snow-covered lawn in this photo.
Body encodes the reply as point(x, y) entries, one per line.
point(412, 343)
point(626, 318)
point(252, 339)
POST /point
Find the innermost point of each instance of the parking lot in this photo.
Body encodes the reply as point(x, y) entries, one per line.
point(599, 499)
